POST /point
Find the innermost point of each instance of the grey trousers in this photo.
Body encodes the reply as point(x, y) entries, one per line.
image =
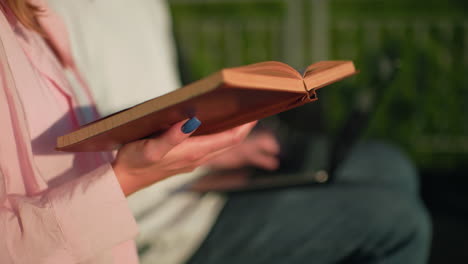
point(371, 213)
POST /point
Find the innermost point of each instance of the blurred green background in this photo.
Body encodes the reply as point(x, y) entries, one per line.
point(413, 57)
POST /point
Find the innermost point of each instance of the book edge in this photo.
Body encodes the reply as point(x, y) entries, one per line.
point(139, 111)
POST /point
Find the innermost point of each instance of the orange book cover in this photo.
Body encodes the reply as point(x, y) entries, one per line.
point(223, 100)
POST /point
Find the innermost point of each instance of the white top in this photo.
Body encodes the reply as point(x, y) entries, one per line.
point(125, 49)
point(126, 52)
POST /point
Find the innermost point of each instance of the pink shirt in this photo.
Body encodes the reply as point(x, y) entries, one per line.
point(55, 207)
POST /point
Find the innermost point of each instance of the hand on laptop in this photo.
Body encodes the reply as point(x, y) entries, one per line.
point(260, 150)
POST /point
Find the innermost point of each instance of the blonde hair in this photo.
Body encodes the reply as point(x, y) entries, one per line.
point(26, 13)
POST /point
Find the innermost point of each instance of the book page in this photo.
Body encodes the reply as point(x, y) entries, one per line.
point(323, 73)
point(271, 68)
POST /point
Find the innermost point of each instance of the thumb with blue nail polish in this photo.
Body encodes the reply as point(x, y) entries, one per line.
point(150, 154)
point(191, 125)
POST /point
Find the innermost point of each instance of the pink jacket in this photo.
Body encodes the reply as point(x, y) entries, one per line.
point(54, 207)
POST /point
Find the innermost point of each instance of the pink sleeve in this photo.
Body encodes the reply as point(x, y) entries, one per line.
point(70, 223)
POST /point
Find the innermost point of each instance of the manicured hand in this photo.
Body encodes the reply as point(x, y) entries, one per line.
point(144, 162)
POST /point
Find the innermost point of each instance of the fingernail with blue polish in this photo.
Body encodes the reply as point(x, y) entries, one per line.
point(191, 125)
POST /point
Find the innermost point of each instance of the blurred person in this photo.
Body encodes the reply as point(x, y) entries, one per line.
point(370, 214)
point(70, 207)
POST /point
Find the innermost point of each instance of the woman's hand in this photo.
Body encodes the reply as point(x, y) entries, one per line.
point(260, 150)
point(144, 162)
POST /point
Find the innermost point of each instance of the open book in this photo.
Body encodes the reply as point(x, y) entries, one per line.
point(223, 100)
